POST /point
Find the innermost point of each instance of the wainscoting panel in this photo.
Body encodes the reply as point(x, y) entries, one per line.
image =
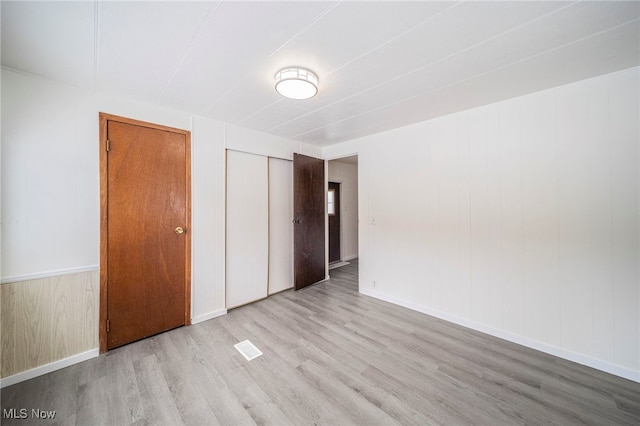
point(47, 320)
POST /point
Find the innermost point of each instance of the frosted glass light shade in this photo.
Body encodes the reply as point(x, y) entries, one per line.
point(296, 83)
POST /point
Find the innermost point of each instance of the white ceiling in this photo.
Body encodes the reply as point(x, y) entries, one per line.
point(381, 64)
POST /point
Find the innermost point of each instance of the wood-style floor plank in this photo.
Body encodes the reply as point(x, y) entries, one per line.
point(331, 356)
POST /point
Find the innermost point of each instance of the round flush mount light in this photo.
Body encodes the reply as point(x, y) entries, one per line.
point(296, 83)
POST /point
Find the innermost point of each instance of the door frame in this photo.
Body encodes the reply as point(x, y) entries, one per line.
point(103, 119)
point(339, 183)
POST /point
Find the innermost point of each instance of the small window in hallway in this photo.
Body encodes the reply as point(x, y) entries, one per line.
point(331, 200)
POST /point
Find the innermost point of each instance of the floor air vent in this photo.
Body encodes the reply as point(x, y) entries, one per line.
point(248, 350)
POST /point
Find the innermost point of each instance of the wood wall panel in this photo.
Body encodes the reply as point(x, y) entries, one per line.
point(47, 320)
point(7, 333)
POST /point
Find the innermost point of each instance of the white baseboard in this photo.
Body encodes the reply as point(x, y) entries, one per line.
point(515, 338)
point(48, 368)
point(75, 359)
point(347, 258)
point(206, 317)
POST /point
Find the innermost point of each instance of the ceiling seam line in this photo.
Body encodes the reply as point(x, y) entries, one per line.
point(41, 77)
point(421, 23)
point(96, 42)
point(426, 66)
point(472, 77)
point(293, 37)
point(195, 37)
point(248, 117)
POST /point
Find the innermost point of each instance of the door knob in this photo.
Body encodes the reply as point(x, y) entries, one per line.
point(179, 230)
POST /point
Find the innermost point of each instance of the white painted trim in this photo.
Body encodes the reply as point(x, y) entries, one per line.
point(48, 368)
point(521, 340)
point(348, 258)
point(49, 274)
point(281, 291)
point(342, 215)
point(206, 317)
point(341, 156)
point(247, 151)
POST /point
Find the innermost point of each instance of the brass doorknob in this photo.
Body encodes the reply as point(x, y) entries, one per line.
point(179, 230)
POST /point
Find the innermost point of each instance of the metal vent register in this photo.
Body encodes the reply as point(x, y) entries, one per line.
point(248, 350)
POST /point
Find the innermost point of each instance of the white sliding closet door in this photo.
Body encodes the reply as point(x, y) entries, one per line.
point(280, 225)
point(247, 256)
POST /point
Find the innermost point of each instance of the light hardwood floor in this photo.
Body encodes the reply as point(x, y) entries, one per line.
point(331, 356)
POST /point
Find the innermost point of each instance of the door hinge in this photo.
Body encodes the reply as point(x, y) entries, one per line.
point(107, 326)
point(108, 145)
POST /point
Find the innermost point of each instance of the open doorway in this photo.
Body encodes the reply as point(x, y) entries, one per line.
point(333, 211)
point(342, 210)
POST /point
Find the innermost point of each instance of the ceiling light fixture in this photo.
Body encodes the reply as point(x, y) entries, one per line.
point(296, 83)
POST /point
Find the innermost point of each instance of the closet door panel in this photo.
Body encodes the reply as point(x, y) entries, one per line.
point(280, 225)
point(247, 242)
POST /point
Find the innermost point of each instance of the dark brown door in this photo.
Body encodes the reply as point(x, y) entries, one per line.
point(309, 225)
point(333, 208)
point(147, 231)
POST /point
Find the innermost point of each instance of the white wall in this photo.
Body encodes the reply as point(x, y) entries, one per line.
point(51, 222)
point(50, 175)
point(520, 219)
point(50, 181)
point(51, 190)
point(208, 219)
point(280, 225)
point(347, 175)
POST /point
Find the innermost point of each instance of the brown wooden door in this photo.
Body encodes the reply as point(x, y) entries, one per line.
point(147, 231)
point(309, 221)
point(334, 221)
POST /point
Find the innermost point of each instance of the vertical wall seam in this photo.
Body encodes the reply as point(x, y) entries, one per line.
point(96, 42)
point(268, 224)
point(459, 196)
point(525, 325)
point(591, 141)
point(612, 228)
point(559, 293)
point(488, 209)
point(499, 170)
